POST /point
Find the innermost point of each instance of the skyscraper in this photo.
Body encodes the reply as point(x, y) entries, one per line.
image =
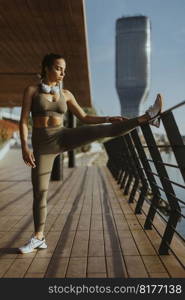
point(132, 62)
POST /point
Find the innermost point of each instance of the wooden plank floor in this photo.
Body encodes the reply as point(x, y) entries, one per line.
point(91, 230)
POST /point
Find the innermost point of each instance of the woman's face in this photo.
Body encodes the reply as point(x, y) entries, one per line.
point(57, 71)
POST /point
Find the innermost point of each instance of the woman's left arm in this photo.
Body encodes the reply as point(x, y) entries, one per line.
point(76, 109)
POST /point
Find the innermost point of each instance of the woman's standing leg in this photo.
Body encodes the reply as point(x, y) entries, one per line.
point(40, 176)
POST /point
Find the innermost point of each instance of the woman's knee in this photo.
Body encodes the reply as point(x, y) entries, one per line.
point(115, 129)
point(123, 127)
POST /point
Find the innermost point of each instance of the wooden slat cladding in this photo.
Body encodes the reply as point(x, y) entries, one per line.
point(31, 29)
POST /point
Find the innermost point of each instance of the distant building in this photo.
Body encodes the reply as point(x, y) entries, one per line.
point(132, 62)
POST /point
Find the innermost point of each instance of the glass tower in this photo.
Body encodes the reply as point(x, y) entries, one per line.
point(132, 63)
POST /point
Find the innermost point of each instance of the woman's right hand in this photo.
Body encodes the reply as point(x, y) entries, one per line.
point(28, 157)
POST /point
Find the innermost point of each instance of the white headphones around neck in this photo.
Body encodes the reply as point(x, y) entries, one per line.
point(48, 89)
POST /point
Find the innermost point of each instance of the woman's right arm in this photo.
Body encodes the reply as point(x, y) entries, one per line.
point(28, 156)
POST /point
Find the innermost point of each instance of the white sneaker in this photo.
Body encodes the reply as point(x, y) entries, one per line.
point(154, 111)
point(32, 244)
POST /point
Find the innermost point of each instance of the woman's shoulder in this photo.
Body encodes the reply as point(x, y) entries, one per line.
point(31, 89)
point(67, 94)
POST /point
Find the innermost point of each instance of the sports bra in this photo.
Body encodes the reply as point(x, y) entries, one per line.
point(41, 106)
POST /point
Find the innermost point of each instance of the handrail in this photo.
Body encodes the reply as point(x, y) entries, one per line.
point(172, 108)
point(131, 167)
point(164, 164)
point(175, 183)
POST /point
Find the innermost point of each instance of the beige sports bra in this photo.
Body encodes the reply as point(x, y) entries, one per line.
point(41, 106)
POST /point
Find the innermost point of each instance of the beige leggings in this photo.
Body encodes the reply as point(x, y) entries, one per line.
point(49, 142)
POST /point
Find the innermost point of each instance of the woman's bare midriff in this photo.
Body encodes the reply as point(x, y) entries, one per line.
point(39, 122)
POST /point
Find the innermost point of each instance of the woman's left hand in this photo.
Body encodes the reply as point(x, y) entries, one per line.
point(117, 119)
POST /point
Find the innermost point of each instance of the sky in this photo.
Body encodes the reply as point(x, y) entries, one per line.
point(167, 19)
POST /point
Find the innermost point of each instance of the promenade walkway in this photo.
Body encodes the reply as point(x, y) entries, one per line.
point(91, 229)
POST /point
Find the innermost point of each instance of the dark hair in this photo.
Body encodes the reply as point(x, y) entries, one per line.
point(48, 61)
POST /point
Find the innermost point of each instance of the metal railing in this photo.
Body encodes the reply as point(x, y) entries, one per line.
point(131, 166)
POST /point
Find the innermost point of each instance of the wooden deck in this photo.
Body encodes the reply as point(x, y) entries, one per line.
point(91, 230)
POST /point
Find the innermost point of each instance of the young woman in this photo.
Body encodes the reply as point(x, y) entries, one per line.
point(47, 103)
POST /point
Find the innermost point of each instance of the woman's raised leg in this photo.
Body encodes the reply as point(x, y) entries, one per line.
point(75, 137)
point(71, 138)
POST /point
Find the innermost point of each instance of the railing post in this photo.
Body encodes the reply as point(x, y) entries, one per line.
point(130, 165)
point(71, 153)
point(117, 153)
point(140, 178)
point(168, 189)
point(133, 167)
point(151, 180)
point(114, 149)
point(175, 140)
